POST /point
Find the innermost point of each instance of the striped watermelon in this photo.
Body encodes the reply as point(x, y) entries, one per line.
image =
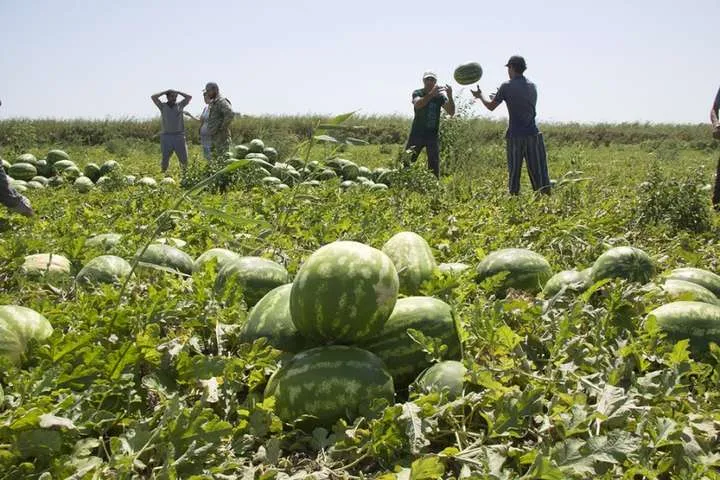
point(683, 290)
point(271, 154)
point(256, 146)
point(404, 357)
point(83, 184)
point(629, 263)
point(526, 270)
point(239, 151)
point(55, 156)
point(345, 292)
point(697, 321)
point(22, 171)
point(26, 158)
point(447, 376)
point(166, 256)
point(222, 256)
point(108, 167)
point(413, 259)
point(92, 171)
point(571, 280)
point(704, 278)
point(270, 318)
point(468, 73)
point(326, 384)
point(104, 269)
point(254, 277)
point(19, 325)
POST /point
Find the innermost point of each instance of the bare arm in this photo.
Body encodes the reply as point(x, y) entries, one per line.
point(186, 98)
point(489, 104)
point(421, 102)
point(449, 106)
point(156, 98)
point(188, 114)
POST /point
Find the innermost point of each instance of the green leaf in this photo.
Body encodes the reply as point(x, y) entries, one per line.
point(427, 468)
point(413, 427)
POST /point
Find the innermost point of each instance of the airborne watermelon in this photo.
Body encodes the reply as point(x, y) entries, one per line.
point(413, 259)
point(326, 384)
point(345, 292)
point(468, 73)
point(526, 270)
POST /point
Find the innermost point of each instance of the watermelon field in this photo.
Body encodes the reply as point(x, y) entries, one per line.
point(310, 306)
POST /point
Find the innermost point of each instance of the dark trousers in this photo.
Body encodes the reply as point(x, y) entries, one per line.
point(532, 149)
point(716, 192)
point(8, 195)
point(431, 147)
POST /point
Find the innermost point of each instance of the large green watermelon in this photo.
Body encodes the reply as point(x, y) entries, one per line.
point(404, 357)
point(63, 165)
point(571, 280)
point(345, 292)
point(22, 171)
point(256, 146)
point(83, 184)
point(55, 156)
point(468, 73)
point(447, 376)
point(526, 270)
point(45, 169)
point(108, 166)
point(222, 256)
point(704, 278)
point(239, 151)
point(92, 171)
point(413, 260)
point(47, 266)
point(19, 325)
point(253, 276)
point(104, 269)
point(326, 384)
point(684, 290)
point(271, 154)
point(270, 318)
point(629, 263)
point(166, 256)
point(697, 321)
point(26, 158)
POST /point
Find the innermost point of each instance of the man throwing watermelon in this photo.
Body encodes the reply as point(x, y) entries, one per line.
point(716, 134)
point(524, 140)
point(426, 124)
point(9, 197)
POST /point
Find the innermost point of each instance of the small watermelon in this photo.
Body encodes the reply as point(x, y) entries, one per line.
point(166, 256)
point(681, 289)
point(526, 270)
point(26, 158)
point(413, 260)
point(104, 269)
point(47, 266)
point(83, 184)
point(447, 376)
point(256, 146)
point(92, 171)
point(222, 256)
point(108, 166)
point(629, 263)
point(570, 280)
point(270, 318)
point(253, 276)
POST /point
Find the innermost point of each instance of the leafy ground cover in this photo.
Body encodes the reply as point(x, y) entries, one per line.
point(157, 384)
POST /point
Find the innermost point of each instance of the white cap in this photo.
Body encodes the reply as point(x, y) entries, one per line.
point(429, 74)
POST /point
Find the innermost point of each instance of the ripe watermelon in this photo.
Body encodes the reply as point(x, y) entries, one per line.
point(222, 256)
point(71, 173)
point(239, 151)
point(256, 146)
point(330, 383)
point(108, 167)
point(345, 291)
point(166, 256)
point(19, 325)
point(26, 158)
point(253, 276)
point(468, 73)
point(454, 268)
point(697, 321)
point(55, 156)
point(270, 318)
point(271, 154)
point(704, 278)
point(47, 266)
point(35, 185)
point(62, 165)
point(447, 376)
point(92, 171)
point(83, 184)
point(404, 357)
point(40, 179)
point(5, 164)
point(105, 241)
point(413, 260)
point(629, 263)
point(271, 181)
point(286, 173)
point(22, 171)
point(104, 269)
point(45, 169)
point(571, 280)
point(526, 270)
point(681, 289)
point(325, 174)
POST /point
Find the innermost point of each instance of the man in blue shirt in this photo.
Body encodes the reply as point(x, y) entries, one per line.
point(427, 103)
point(716, 134)
point(524, 140)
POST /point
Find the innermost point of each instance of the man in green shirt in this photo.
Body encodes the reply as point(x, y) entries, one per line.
point(426, 124)
point(219, 119)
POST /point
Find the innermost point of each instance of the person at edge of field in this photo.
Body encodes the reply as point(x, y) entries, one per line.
point(172, 137)
point(204, 137)
point(220, 118)
point(11, 198)
point(716, 134)
point(424, 132)
point(524, 140)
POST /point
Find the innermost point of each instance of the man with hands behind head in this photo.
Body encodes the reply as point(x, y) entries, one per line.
point(172, 138)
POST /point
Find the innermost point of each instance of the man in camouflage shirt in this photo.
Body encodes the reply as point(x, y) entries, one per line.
point(219, 119)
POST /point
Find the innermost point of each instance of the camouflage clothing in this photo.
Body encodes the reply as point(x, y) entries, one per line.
point(218, 125)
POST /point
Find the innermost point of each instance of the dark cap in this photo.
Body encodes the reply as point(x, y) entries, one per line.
point(517, 61)
point(210, 85)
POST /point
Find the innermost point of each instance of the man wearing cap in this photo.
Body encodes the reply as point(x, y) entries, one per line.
point(14, 201)
point(524, 140)
point(219, 119)
point(426, 124)
point(172, 137)
point(715, 122)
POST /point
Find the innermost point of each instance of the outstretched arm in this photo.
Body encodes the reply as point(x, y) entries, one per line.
point(489, 104)
point(156, 98)
point(449, 106)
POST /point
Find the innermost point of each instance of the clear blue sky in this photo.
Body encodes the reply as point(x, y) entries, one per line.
point(601, 61)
